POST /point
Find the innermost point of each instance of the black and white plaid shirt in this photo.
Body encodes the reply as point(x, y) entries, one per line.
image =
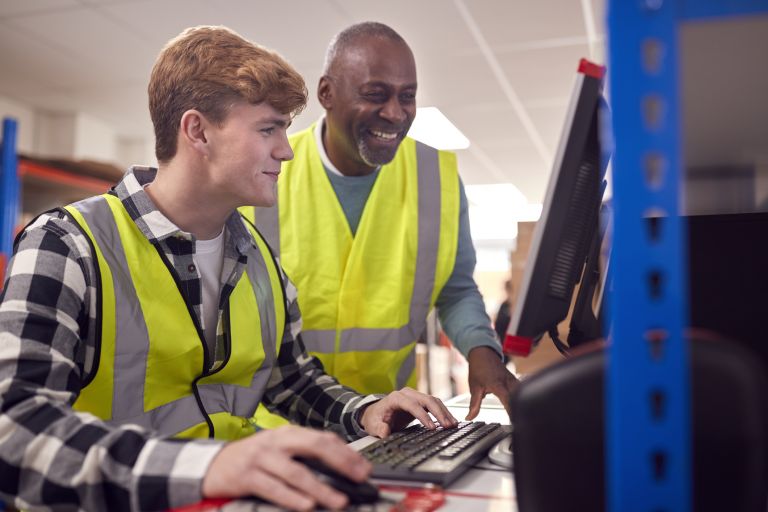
point(53, 457)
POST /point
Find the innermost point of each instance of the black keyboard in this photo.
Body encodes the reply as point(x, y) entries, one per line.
point(439, 456)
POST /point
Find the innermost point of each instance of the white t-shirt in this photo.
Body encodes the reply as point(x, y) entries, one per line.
point(209, 259)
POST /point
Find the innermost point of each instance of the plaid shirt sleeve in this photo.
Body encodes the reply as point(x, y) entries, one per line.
point(52, 457)
point(300, 389)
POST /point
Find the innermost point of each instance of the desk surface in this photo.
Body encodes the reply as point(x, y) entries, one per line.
point(486, 487)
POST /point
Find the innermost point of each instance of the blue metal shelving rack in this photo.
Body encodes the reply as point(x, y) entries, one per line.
point(648, 423)
point(9, 192)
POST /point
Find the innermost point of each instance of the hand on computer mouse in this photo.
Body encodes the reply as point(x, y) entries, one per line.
point(356, 492)
point(264, 465)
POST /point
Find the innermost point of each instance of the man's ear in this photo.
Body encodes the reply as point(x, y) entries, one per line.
point(192, 131)
point(325, 92)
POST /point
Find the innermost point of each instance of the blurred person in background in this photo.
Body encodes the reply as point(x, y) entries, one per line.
point(504, 314)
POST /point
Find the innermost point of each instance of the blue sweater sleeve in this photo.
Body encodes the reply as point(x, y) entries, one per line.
point(460, 306)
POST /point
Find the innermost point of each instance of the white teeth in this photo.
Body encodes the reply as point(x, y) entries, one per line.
point(383, 135)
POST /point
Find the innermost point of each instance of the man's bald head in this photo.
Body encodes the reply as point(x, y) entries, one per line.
point(368, 91)
point(348, 38)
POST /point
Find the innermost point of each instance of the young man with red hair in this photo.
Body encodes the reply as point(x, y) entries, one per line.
point(140, 329)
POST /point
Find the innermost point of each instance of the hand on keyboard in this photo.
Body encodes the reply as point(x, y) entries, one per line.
point(399, 408)
point(487, 374)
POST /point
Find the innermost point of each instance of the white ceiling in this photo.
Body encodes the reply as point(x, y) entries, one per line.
point(501, 70)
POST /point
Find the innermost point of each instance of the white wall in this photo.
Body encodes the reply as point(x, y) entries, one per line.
point(74, 135)
point(131, 151)
point(94, 139)
point(25, 118)
point(54, 135)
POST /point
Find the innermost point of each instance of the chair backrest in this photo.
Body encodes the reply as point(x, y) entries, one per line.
point(558, 439)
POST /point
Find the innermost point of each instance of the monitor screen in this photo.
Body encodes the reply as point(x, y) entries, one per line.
point(569, 218)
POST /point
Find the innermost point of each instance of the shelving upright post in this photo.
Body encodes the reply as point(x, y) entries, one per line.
point(9, 193)
point(647, 394)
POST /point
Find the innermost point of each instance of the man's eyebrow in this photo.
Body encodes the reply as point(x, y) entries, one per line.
point(389, 85)
point(277, 121)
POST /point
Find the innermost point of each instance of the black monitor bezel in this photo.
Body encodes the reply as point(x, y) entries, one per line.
point(534, 298)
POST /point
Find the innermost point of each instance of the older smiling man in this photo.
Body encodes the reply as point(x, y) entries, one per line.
point(373, 227)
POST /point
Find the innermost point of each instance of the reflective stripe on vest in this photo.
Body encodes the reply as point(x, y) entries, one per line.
point(151, 359)
point(365, 299)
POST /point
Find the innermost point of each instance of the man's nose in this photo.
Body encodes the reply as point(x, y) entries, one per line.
point(393, 111)
point(283, 151)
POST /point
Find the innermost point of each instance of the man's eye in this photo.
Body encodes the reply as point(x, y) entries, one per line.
point(408, 98)
point(376, 96)
point(268, 131)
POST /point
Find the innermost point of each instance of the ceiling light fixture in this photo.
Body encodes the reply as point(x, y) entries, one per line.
point(434, 129)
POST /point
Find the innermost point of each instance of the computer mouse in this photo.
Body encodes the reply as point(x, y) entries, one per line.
point(357, 493)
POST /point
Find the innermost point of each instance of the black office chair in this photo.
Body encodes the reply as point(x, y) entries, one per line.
point(559, 433)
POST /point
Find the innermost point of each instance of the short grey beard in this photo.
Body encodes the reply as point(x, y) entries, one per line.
point(368, 157)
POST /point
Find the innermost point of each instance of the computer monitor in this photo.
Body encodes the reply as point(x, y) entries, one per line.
point(568, 226)
point(728, 284)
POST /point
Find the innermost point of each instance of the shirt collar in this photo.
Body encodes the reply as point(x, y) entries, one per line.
point(155, 226)
point(319, 126)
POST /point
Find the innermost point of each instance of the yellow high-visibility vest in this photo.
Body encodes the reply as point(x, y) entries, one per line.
point(151, 366)
point(365, 298)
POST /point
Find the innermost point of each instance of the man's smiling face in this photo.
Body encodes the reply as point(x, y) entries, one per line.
point(373, 102)
point(248, 149)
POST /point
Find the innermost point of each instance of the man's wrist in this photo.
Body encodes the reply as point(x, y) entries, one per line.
point(358, 416)
point(360, 408)
point(484, 351)
point(181, 464)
